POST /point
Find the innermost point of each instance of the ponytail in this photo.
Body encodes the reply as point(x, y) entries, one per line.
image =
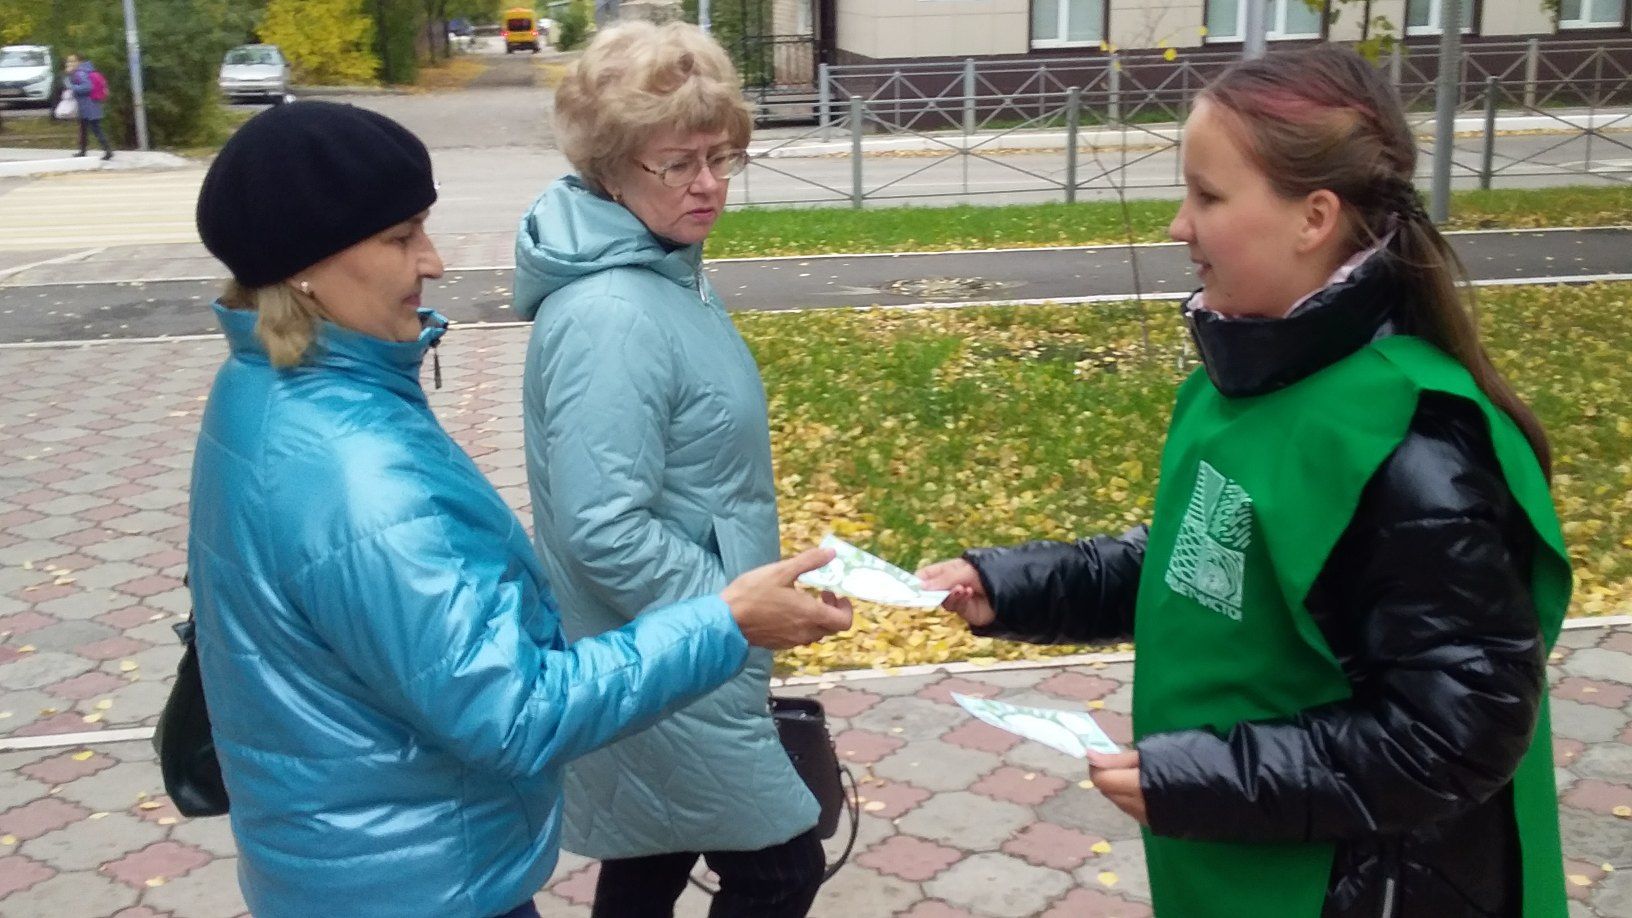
point(1443, 310)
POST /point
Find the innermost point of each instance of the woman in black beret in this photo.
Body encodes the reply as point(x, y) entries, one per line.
point(391, 696)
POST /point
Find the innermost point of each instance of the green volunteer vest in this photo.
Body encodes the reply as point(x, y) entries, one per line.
point(1254, 493)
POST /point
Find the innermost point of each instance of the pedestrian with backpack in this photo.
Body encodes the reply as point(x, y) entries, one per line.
point(90, 89)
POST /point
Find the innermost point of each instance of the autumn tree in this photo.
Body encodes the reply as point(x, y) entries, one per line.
point(327, 42)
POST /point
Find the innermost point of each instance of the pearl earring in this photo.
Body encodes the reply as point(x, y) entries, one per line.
point(306, 287)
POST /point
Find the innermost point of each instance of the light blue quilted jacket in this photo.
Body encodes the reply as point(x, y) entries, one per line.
point(649, 459)
point(392, 697)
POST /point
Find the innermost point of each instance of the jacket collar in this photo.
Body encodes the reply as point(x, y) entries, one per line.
point(572, 232)
point(393, 363)
point(1254, 356)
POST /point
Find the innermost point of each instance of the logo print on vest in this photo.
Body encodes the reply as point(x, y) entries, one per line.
point(1209, 556)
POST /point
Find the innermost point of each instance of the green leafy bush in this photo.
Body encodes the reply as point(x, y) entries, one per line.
point(328, 42)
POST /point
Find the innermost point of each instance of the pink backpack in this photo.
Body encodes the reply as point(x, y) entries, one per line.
point(99, 86)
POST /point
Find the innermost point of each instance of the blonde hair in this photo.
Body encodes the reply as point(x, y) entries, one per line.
point(636, 78)
point(286, 320)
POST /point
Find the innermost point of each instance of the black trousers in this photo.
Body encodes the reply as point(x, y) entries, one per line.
point(95, 126)
point(776, 882)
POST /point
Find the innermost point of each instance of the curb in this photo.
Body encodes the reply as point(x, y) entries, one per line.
point(301, 92)
point(54, 162)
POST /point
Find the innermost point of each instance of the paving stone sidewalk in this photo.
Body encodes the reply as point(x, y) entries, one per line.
point(959, 819)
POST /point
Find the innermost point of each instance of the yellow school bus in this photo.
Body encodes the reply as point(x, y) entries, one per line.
point(520, 30)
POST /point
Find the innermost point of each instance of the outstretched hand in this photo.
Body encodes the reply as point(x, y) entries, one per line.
point(967, 595)
point(775, 614)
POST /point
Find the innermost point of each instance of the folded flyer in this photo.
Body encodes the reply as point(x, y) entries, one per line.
point(1071, 732)
point(860, 575)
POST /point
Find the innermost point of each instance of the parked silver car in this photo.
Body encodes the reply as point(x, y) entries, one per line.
point(255, 72)
point(28, 75)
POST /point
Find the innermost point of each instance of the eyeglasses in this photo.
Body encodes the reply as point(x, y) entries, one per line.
point(680, 174)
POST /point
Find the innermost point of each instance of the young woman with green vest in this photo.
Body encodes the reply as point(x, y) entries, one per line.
point(1345, 598)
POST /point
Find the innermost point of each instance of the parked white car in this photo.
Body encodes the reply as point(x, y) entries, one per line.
point(255, 72)
point(28, 74)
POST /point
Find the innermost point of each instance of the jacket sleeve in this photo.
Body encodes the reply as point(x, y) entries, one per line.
point(1063, 592)
point(1446, 665)
point(435, 634)
point(608, 378)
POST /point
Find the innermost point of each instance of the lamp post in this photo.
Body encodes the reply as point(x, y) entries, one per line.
point(1256, 28)
point(1448, 93)
point(133, 50)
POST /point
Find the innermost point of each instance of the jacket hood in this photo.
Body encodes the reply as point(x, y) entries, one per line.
point(1248, 356)
point(571, 232)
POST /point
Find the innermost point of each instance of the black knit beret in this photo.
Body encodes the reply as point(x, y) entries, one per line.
point(303, 181)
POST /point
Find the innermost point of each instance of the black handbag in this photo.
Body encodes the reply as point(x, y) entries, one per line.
point(186, 747)
point(802, 725)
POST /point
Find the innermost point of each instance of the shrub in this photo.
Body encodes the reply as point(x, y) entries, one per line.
point(328, 42)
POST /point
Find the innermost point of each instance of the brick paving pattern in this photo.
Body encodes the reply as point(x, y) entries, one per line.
point(958, 820)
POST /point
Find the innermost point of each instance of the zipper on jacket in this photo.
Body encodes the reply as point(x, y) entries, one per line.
point(436, 365)
point(1391, 863)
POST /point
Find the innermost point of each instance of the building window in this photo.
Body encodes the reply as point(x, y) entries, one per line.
point(1065, 23)
point(1591, 14)
point(1423, 17)
point(1227, 19)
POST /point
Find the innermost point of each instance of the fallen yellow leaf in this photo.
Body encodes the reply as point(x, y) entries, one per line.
point(8, 840)
point(1580, 880)
point(1107, 878)
point(1623, 811)
point(1101, 847)
point(83, 755)
point(155, 882)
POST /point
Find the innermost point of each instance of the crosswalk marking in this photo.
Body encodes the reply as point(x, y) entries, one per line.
point(100, 209)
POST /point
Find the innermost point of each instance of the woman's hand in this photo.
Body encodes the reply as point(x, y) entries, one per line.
point(968, 595)
point(773, 613)
point(1117, 777)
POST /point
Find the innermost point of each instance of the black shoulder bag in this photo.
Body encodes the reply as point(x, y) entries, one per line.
point(186, 747)
point(801, 724)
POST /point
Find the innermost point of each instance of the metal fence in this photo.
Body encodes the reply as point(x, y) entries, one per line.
point(1075, 127)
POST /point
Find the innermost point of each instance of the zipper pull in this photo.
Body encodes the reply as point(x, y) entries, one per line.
point(436, 366)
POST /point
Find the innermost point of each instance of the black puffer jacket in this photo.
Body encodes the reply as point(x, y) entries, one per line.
point(1423, 603)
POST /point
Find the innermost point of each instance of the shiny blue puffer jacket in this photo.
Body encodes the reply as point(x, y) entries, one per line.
point(391, 694)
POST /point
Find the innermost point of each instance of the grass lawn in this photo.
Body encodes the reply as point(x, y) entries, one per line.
point(918, 433)
point(755, 232)
point(32, 131)
point(452, 73)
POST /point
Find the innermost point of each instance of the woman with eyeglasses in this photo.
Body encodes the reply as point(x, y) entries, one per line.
point(649, 459)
